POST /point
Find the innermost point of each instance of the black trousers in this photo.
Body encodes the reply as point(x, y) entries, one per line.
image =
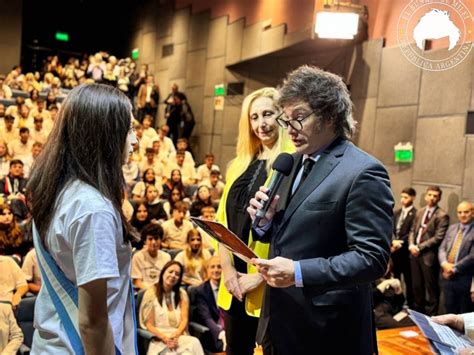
point(401, 265)
point(240, 329)
point(457, 293)
point(425, 285)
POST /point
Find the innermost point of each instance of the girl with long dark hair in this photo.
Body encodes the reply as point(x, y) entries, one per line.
point(81, 236)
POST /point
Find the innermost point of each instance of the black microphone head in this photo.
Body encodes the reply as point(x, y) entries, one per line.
point(283, 163)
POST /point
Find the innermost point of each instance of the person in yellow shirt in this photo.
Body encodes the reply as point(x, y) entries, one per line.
point(259, 142)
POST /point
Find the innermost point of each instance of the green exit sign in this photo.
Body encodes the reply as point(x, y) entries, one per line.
point(135, 54)
point(404, 153)
point(219, 90)
point(62, 36)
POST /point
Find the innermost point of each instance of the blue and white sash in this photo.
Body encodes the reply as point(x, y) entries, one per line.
point(64, 295)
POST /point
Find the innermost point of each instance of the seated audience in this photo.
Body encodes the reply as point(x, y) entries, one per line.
point(177, 228)
point(188, 173)
point(13, 187)
point(38, 133)
point(193, 259)
point(13, 284)
point(12, 239)
point(148, 262)
point(156, 212)
point(4, 160)
point(215, 185)
point(21, 148)
point(164, 312)
point(140, 219)
point(167, 144)
point(32, 271)
point(148, 130)
point(206, 300)
point(29, 160)
point(203, 171)
point(173, 181)
point(9, 133)
point(149, 178)
point(176, 195)
point(203, 199)
point(151, 163)
point(131, 173)
point(183, 145)
point(5, 91)
point(143, 141)
point(32, 101)
point(11, 336)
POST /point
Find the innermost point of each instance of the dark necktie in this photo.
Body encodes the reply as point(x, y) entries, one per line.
point(307, 166)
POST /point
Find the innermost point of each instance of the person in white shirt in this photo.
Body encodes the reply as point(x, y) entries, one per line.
point(167, 144)
point(182, 145)
point(80, 174)
point(144, 142)
point(148, 130)
point(148, 262)
point(9, 133)
point(36, 150)
point(151, 163)
point(204, 170)
point(177, 228)
point(131, 173)
point(38, 133)
point(32, 272)
point(216, 186)
point(188, 173)
point(5, 91)
point(11, 336)
point(13, 284)
point(193, 258)
point(21, 148)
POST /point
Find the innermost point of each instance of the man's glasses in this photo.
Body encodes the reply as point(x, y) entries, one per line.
point(296, 123)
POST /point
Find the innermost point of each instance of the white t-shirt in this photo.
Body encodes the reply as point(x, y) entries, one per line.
point(148, 268)
point(85, 239)
point(11, 278)
point(31, 268)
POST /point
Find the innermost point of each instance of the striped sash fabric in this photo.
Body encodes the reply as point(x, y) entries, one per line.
point(64, 295)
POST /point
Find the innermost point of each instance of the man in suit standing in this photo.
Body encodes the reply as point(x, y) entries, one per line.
point(206, 300)
point(456, 257)
point(426, 235)
point(402, 221)
point(330, 233)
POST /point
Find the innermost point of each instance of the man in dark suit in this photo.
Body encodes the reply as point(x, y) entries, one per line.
point(210, 315)
point(426, 235)
point(330, 233)
point(456, 257)
point(403, 219)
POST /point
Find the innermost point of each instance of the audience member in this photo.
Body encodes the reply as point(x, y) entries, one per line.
point(427, 233)
point(149, 178)
point(216, 186)
point(151, 163)
point(456, 257)
point(193, 259)
point(9, 133)
point(173, 181)
point(403, 219)
point(148, 130)
point(167, 144)
point(38, 133)
point(13, 284)
point(32, 271)
point(173, 111)
point(131, 173)
point(176, 195)
point(5, 91)
point(206, 300)
point(164, 312)
point(202, 199)
point(11, 336)
point(12, 240)
point(188, 172)
point(156, 213)
point(203, 171)
point(4, 160)
point(21, 148)
point(183, 145)
point(177, 228)
point(29, 160)
point(143, 141)
point(140, 220)
point(148, 262)
point(147, 99)
point(32, 101)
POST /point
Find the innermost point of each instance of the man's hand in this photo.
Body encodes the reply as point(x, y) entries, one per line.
point(396, 245)
point(231, 282)
point(277, 272)
point(448, 270)
point(414, 250)
point(249, 282)
point(451, 320)
point(256, 203)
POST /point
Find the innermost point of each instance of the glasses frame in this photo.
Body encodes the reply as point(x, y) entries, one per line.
point(285, 123)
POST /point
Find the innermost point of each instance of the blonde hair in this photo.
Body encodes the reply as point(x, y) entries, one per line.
point(249, 145)
point(192, 262)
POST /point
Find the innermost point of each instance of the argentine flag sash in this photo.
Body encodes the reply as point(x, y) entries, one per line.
point(64, 295)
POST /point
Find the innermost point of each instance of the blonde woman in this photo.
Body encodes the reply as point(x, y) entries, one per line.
point(259, 142)
point(193, 259)
point(4, 160)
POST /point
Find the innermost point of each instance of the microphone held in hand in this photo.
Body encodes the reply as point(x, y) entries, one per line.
point(282, 167)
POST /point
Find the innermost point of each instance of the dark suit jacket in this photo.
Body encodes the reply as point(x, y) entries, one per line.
point(465, 260)
point(432, 236)
point(338, 225)
point(208, 312)
point(406, 225)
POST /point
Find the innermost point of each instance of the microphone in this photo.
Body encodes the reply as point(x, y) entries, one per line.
point(282, 167)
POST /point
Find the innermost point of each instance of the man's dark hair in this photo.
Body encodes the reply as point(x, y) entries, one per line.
point(180, 206)
point(435, 188)
point(87, 143)
point(149, 151)
point(209, 155)
point(24, 130)
point(152, 229)
point(325, 93)
point(16, 161)
point(180, 152)
point(409, 191)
